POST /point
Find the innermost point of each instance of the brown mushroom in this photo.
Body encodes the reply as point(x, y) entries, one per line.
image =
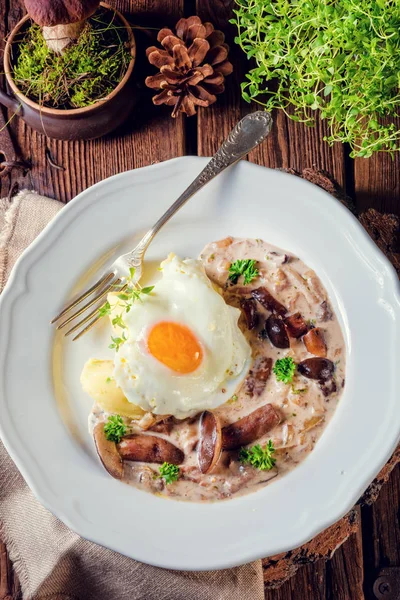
point(164, 425)
point(249, 308)
point(324, 312)
point(328, 387)
point(149, 449)
point(108, 452)
point(296, 325)
point(276, 330)
point(210, 443)
point(267, 300)
point(62, 21)
point(316, 368)
point(258, 375)
point(315, 343)
point(279, 259)
point(250, 428)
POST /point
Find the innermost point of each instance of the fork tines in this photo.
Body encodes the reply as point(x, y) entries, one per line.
point(101, 288)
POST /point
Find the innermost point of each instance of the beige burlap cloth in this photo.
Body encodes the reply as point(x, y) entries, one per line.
point(52, 562)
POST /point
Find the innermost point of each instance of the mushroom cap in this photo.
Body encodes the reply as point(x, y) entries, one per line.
point(48, 13)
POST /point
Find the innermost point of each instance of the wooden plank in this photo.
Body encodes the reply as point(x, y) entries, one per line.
point(215, 122)
point(307, 584)
point(148, 136)
point(381, 532)
point(377, 182)
point(9, 585)
point(344, 572)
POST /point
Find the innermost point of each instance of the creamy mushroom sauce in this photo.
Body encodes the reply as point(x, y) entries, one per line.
point(305, 406)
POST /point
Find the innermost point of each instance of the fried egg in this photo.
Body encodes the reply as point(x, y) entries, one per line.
point(184, 350)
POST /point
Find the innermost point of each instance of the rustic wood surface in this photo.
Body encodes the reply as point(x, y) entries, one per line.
point(149, 136)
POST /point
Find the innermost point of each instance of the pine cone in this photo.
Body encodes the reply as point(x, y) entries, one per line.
point(193, 65)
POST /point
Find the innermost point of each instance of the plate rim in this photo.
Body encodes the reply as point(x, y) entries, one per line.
point(18, 274)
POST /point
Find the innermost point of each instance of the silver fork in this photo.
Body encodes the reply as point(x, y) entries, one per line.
point(245, 136)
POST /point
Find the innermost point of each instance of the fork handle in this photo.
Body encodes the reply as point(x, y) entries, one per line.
point(246, 135)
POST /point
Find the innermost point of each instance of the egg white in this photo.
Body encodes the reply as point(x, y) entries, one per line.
point(186, 296)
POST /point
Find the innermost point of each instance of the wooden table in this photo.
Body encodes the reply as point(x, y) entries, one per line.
point(150, 136)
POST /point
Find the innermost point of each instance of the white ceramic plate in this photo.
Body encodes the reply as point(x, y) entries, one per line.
point(45, 431)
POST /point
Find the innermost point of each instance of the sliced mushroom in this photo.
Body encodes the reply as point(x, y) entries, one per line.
point(108, 452)
point(149, 449)
point(249, 307)
point(258, 375)
point(279, 259)
point(324, 312)
point(296, 325)
point(315, 343)
point(163, 426)
point(250, 428)
point(210, 443)
point(328, 387)
point(266, 300)
point(303, 286)
point(317, 368)
point(276, 329)
point(280, 280)
point(313, 422)
point(315, 285)
point(224, 243)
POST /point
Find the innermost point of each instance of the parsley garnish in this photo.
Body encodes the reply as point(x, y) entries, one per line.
point(244, 267)
point(284, 369)
point(258, 457)
point(115, 428)
point(169, 472)
point(117, 341)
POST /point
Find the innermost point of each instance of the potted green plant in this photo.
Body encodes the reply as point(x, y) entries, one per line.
point(68, 66)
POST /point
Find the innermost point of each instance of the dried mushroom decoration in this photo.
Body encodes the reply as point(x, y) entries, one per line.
point(193, 65)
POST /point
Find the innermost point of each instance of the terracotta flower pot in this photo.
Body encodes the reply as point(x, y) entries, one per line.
point(79, 123)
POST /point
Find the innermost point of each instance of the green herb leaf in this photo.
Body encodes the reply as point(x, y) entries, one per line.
point(147, 290)
point(245, 267)
point(105, 309)
point(117, 341)
point(118, 321)
point(258, 457)
point(115, 428)
point(341, 59)
point(169, 472)
point(284, 369)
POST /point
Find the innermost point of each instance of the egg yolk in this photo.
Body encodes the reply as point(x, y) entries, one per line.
point(175, 346)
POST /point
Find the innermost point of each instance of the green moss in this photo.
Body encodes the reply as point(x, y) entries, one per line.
point(86, 72)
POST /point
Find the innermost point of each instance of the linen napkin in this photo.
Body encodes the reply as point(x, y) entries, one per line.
point(52, 562)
